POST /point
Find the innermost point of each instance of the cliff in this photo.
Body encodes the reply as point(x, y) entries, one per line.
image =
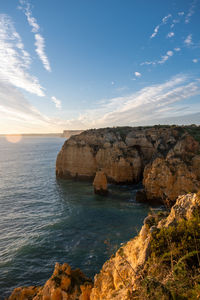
point(68, 133)
point(162, 262)
point(167, 159)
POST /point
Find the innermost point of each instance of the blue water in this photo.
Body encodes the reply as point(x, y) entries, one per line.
point(44, 220)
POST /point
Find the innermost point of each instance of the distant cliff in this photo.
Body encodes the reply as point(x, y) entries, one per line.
point(166, 158)
point(162, 262)
point(68, 133)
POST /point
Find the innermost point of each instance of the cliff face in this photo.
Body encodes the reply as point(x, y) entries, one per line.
point(122, 276)
point(175, 174)
point(165, 158)
point(157, 264)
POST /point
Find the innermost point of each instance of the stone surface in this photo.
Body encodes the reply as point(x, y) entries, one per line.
point(167, 159)
point(175, 174)
point(118, 277)
point(100, 183)
point(64, 284)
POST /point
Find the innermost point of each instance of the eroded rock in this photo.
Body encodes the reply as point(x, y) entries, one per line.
point(64, 284)
point(100, 183)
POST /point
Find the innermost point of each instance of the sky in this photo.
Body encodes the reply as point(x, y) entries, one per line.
point(74, 64)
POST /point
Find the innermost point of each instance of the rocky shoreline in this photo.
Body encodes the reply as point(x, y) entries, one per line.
point(163, 260)
point(131, 273)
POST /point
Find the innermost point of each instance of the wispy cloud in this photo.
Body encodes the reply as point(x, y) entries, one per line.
point(166, 57)
point(177, 49)
point(14, 60)
point(149, 104)
point(188, 40)
point(164, 21)
point(39, 40)
point(162, 60)
point(195, 60)
point(57, 102)
point(155, 31)
point(190, 12)
point(13, 104)
point(40, 46)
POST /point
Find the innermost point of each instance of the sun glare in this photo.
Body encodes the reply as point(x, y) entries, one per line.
point(14, 138)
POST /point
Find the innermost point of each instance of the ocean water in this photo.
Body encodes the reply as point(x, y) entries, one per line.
point(44, 220)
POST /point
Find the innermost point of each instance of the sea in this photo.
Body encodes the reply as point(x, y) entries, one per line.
point(44, 220)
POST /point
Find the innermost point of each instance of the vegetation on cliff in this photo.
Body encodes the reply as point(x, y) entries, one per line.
point(173, 268)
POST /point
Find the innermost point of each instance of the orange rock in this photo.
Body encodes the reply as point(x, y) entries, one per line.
point(86, 291)
point(56, 294)
point(100, 183)
point(65, 283)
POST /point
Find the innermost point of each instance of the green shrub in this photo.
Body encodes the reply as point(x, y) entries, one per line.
point(173, 268)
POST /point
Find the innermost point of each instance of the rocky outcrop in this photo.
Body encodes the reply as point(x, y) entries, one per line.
point(166, 158)
point(64, 284)
point(123, 275)
point(100, 183)
point(119, 276)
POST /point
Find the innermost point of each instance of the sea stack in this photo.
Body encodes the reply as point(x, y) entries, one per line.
point(100, 183)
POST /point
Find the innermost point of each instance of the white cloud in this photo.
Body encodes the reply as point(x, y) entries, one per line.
point(39, 40)
point(188, 40)
point(163, 59)
point(40, 46)
point(170, 53)
point(155, 32)
point(190, 12)
point(31, 20)
point(138, 74)
point(15, 106)
point(14, 60)
point(170, 34)
point(164, 21)
point(177, 49)
point(112, 83)
point(56, 102)
point(181, 13)
point(149, 104)
point(195, 60)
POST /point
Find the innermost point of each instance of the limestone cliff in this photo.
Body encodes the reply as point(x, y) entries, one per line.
point(176, 173)
point(166, 158)
point(120, 276)
point(156, 264)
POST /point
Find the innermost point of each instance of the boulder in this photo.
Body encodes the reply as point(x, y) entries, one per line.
point(100, 183)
